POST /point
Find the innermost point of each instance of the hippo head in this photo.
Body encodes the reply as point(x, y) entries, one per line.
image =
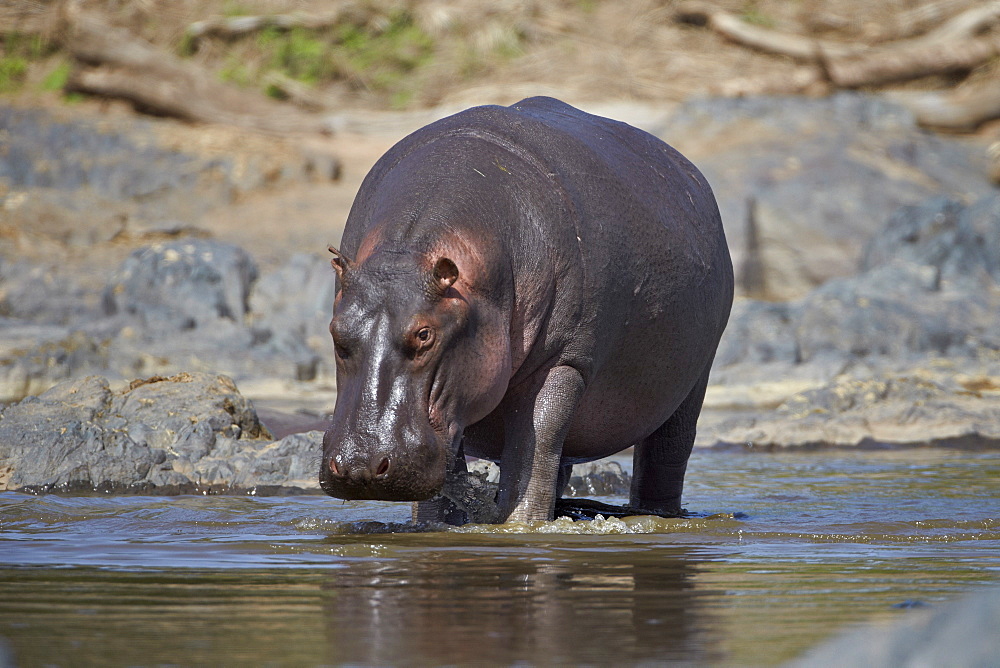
point(406, 332)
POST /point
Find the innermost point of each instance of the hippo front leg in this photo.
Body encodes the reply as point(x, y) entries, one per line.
point(535, 424)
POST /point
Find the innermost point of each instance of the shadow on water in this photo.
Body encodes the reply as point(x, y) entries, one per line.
point(542, 602)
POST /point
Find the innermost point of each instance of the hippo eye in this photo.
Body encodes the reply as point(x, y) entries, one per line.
point(420, 341)
point(341, 351)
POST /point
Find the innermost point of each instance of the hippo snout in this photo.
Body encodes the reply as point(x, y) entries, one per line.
point(352, 471)
point(376, 469)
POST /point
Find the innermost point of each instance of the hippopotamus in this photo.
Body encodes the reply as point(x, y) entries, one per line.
point(533, 285)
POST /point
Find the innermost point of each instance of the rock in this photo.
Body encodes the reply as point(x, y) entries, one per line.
point(895, 310)
point(42, 294)
point(291, 310)
point(929, 287)
point(959, 634)
point(56, 214)
point(191, 432)
point(48, 441)
point(262, 466)
point(900, 410)
point(474, 493)
point(600, 478)
point(825, 173)
point(961, 243)
point(31, 370)
point(182, 285)
point(173, 306)
point(186, 433)
point(758, 333)
point(111, 177)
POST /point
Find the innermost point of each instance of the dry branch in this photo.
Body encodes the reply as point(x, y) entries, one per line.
point(130, 68)
point(777, 42)
point(230, 27)
point(957, 45)
point(299, 93)
point(960, 110)
point(907, 61)
point(966, 24)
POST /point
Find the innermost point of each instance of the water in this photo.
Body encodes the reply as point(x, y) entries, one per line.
point(786, 549)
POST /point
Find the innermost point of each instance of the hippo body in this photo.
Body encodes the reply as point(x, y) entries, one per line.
point(533, 285)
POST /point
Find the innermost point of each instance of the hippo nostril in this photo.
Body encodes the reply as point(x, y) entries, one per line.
point(383, 467)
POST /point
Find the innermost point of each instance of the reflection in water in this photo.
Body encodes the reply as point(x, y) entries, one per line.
point(821, 541)
point(541, 605)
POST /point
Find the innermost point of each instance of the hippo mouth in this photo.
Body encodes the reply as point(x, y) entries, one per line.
point(435, 416)
point(388, 481)
point(413, 470)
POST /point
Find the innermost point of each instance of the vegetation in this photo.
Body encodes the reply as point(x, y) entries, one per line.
point(406, 53)
point(19, 51)
point(377, 59)
point(57, 78)
point(753, 15)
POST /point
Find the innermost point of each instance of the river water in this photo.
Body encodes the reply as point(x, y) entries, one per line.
point(784, 550)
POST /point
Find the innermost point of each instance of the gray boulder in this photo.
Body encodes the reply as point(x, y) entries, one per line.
point(37, 366)
point(182, 285)
point(961, 243)
point(600, 478)
point(895, 311)
point(191, 432)
point(189, 304)
point(825, 173)
point(290, 312)
point(959, 634)
point(918, 410)
point(44, 294)
point(928, 287)
point(121, 170)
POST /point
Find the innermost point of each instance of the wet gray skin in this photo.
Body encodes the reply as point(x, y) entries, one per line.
point(390, 335)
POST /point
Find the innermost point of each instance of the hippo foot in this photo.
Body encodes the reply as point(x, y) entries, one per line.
point(588, 509)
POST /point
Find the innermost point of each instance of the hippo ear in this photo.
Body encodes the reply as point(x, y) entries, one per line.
point(445, 274)
point(340, 263)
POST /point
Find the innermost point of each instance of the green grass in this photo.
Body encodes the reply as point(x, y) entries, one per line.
point(393, 60)
point(19, 51)
point(299, 54)
point(382, 61)
point(57, 78)
point(754, 16)
point(12, 71)
point(235, 71)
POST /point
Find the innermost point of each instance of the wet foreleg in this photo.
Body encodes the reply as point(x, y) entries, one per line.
point(535, 424)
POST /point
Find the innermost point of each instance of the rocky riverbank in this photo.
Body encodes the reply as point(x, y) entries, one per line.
point(869, 305)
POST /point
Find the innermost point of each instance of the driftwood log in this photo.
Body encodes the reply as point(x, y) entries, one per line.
point(298, 93)
point(229, 27)
point(911, 60)
point(114, 63)
point(963, 109)
point(763, 39)
point(959, 44)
